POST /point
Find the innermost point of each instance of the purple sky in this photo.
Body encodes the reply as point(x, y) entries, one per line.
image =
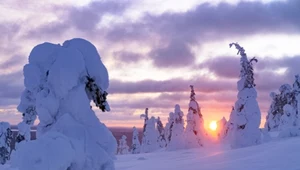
point(154, 50)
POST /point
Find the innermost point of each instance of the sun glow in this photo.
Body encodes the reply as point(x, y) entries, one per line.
point(213, 125)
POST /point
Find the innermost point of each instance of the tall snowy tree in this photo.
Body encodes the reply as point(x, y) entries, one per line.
point(169, 127)
point(198, 127)
point(149, 142)
point(246, 115)
point(177, 138)
point(136, 146)
point(161, 138)
point(123, 148)
point(5, 142)
point(60, 82)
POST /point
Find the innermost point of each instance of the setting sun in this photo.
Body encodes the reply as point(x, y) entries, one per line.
point(213, 125)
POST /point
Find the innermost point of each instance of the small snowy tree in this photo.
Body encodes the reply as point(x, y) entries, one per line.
point(288, 122)
point(246, 115)
point(221, 128)
point(149, 142)
point(169, 127)
point(161, 138)
point(5, 142)
point(123, 147)
point(136, 146)
point(198, 127)
point(177, 138)
point(296, 91)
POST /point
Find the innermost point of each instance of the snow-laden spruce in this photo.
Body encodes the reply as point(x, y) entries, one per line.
point(60, 81)
point(169, 127)
point(149, 142)
point(197, 118)
point(123, 148)
point(288, 95)
point(296, 90)
point(177, 138)
point(191, 140)
point(5, 142)
point(136, 145)
point(161, 138)
point(221, 128)
point(288, 122)
point(146, 118)
point(246, 115)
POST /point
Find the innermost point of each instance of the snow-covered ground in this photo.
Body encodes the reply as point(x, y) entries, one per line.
point(278, 154)
point(283, 154)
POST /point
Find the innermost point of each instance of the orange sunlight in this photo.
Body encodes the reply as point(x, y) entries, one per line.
point(213, 125)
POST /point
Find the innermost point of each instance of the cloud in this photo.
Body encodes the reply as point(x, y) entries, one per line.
point(84, 19)
point(175, 54)
point(127, 56)
point(173, 85)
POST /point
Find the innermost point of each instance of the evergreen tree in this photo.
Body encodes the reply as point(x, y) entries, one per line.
point(194, 107)
point(246, 115)
point(136, 146)
point(288, 122)
point(296, 91)
point(146, 118)
point(5, 142)
point(286, 96)
point(169, 127)
point(123, 147)
point(161, 138)
point(191, 140)
point(177, 137)
point(149, 142)
point(221, 128)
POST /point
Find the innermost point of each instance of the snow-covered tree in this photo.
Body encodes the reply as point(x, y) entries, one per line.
point(296, 90)
point(149, 142)
point(146, 118)
point(123, 148)
point(161, 138)
point(169, 127)
point(177, 138)
point(136, 146)
point(60, 81)
point(191, 139)
point(246, 115)
point(5, 142)
point(288, 122)
point(198, 127)
point(221, 128)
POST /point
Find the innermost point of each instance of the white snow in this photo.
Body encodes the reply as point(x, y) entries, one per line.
point(274, 155)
